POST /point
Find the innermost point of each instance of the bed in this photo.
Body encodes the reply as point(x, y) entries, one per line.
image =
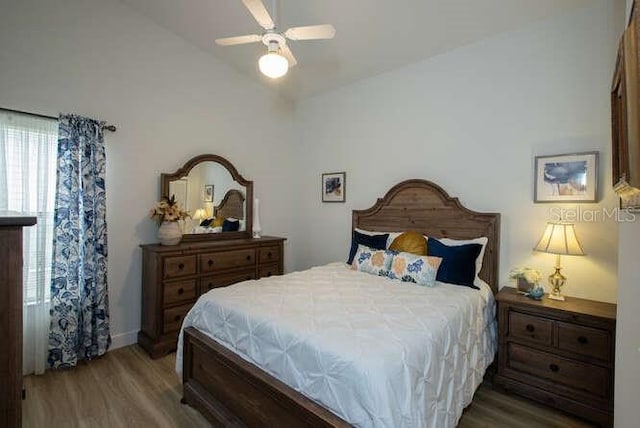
point(333, 347)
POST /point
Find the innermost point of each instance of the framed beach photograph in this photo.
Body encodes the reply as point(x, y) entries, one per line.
point(569, 177)
point(333, 187)
point(208, 193)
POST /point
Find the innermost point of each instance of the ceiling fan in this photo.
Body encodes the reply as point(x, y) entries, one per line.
point(276, 62)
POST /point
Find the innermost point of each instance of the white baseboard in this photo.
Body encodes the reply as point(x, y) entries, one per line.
point(123, 339)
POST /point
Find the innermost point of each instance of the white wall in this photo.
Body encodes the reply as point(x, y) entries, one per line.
point(472, 120)
point(170, 102)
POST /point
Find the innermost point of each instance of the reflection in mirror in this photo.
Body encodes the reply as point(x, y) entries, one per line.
point(212, 191)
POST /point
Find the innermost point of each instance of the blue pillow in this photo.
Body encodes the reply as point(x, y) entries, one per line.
point(377, 242)
point(458, 262)
point(230, 225)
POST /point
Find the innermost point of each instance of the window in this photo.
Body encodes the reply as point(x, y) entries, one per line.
point(28, 147)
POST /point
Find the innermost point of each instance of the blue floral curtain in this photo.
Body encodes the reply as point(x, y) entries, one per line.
point(79, 301)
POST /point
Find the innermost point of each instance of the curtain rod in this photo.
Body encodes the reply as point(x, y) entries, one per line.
point(105, 125)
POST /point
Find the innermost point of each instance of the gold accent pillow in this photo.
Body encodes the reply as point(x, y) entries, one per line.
point(410, 242)
point(217, 222)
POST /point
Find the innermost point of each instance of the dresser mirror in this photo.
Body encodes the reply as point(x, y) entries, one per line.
point(218, 198)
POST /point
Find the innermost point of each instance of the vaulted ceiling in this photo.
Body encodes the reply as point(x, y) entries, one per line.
point(372, 36)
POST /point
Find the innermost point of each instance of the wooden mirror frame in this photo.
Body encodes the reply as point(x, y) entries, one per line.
point(165, 178)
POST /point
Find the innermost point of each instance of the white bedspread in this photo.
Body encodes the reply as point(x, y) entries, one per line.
point(375, 351)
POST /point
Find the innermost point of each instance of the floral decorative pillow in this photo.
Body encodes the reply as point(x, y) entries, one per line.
point(413, 268)
point(371, 261)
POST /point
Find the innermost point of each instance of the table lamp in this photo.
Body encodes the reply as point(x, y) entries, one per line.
point(200, 214)
point(559, 238)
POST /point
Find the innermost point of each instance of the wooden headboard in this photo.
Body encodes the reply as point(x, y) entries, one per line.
point(422, 206)
point(232, 205)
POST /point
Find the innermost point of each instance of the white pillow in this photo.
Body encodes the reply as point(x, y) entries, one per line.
point(457, 242)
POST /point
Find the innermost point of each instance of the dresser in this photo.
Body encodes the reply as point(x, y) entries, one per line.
point(558, 353)
point(11, 317)
point(173, 277)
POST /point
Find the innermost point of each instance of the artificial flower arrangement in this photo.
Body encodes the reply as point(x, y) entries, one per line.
point(528, 282)
point(168, 209)
point(530, 275)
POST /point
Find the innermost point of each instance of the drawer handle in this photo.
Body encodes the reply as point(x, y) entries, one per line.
point(530, 328)
point(268, 273)
point(181, 266)
point(248, 257)
point(210, 285)
point(210, 262)
point(269, 254)
point(180, 290)
point(177, 318)
point(248, 277)
point(554, 368)
point(583, 340)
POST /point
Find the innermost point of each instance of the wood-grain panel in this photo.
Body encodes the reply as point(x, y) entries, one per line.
point(269, 254)
point(531, 328)
point(592, 342)
point(212, 262)
point(179, 291)
point(173, 317)
point(179, 266)
point(269, 270)
point(222, 280)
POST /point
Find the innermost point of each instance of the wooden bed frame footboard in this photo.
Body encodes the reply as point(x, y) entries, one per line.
point(232, 392)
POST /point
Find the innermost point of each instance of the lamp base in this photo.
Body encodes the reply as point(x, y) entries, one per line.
point(556, 296)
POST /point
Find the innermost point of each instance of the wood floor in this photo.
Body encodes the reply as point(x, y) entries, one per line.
point(126, 388)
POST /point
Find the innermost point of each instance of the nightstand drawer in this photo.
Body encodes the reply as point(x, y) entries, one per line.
point(532, 328)
point(179, 266)
point(269, 254)
point(574, 374)
point(215, 281)
point(588, 341)
point(227, 259)
point(173, 317)
point(179, 291)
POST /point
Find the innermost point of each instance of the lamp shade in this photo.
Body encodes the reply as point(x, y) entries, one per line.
point(199, 214)
point(560, 238)
point(273, 65)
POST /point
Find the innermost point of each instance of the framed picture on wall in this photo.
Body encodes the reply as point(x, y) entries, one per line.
point(208, 193)
point(569, 177)
point(333, 187)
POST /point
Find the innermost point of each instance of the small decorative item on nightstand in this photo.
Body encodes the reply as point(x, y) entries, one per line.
point(526, 278)
point(559, 239)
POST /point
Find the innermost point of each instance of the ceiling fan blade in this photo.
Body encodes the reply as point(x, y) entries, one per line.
point(260, 13)
point(286, 52)
point(239, 40)
point(311, 32)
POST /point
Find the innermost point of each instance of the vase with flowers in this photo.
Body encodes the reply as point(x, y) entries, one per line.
point(167, 213)
point(526, 279)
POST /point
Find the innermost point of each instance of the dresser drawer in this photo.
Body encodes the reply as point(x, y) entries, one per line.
point(212, 262)
point(222, 280)
point(179, 291)
point(269, 270)
point(173, 317)
point(179, 266)
point(529, 327)
point(591, 342)
point(269, 254)
point(574, 374)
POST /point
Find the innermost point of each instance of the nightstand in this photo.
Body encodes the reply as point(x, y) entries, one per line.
point(558, 353)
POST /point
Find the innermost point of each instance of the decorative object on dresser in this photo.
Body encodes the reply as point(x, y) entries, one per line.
point(566, 178)
point(174, 277)
point(168, 213)
point(11, 317)
point(559, 239)
point(257, 229)
point(558, 353)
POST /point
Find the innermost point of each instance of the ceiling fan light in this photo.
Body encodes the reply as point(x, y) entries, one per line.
point(273, 65)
